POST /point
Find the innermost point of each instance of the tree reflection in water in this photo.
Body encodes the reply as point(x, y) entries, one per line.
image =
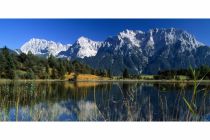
point(102, 101)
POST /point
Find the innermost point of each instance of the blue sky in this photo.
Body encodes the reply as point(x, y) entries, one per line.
point(15, 32)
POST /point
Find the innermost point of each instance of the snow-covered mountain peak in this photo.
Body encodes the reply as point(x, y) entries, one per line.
point(130, 33)
point(127, 33)
point(43, 47)
point(82, 40)
point(126, 42)
point(85, 47)
point(130, 37)
point(170, 36)
point(86, 42)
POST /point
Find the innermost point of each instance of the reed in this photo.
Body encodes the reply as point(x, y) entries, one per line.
point(191, 105)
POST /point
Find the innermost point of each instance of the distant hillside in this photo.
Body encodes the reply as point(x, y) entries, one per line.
point(10, 51)
point(137, 51)
point(29, 66)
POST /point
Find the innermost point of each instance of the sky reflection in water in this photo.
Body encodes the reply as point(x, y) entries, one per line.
point(112, 101)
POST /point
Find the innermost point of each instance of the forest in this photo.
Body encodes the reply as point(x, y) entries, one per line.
point(29, 66)
point(201, 72)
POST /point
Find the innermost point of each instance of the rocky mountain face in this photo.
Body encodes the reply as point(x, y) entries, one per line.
point(138, 51)
point(148, 52)
point(82, 48)
point(43, 47)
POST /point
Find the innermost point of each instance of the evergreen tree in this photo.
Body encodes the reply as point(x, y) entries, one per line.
point(30, 66)
point(47, 69)
point(54, 74)
point(9, 64)
point(105, 73)
point(52, 61)
point(5, 51)
point(109, 74)
point(2, 65)
point(10, 68)
point(125, 73)
point(62, 72)
point(30, 74)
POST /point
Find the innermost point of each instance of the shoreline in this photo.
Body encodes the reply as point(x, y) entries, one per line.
point(31, 80)
point(147, 81)
point(111, 80)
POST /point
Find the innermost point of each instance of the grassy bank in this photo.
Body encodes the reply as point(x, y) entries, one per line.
point(30, 80)
point(105, 80)
point(95, 78)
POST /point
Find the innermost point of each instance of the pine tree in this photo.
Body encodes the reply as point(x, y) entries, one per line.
point(2, 65)
point(10, 68)
point(109, 74)
point(47, 69)
point(39, 67)
point(30, 74)
point(62, 72)
point(52, 61)
point(54, 74)
point(9, 64)
point(125, 73)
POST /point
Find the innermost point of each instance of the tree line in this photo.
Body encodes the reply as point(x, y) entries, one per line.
point(202, 72)
point(29, 66)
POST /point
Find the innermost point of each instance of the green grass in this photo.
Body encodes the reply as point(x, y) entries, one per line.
point(192, 103)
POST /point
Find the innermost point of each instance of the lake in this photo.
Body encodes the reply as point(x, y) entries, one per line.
point(103, 101)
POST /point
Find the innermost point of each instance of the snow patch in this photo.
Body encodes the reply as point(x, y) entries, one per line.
point(43, 47)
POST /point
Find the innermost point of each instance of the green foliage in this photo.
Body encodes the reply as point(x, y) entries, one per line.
point(192, 73)
point(54, 74)
point(7, 64)
point(109, 73)
point(102, 73)
point(29, 66)
point(125, 73)
point(30, 74)
point(2, 65)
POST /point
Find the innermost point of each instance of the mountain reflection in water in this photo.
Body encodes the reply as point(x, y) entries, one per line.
point(101, 101)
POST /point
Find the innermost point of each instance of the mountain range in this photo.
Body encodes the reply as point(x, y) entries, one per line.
point(140, 52)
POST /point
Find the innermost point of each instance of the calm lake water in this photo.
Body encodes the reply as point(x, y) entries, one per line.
point(103, 101)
